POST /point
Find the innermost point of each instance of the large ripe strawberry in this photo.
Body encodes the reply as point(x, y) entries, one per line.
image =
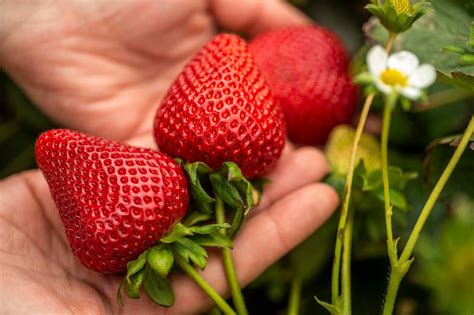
point(114, 200)
point(306, 67)
point(220, 109)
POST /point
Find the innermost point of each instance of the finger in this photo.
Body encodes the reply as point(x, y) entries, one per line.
point(295, 170)
point(265, 238)
point(256, 16)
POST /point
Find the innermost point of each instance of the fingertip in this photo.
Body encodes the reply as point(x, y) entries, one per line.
point(314, 159)
point(326, 198)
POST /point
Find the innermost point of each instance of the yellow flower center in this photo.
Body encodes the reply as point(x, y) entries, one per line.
point(402, 6)
point(394, 77)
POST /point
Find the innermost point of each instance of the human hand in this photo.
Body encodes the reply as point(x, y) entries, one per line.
point(103, 70)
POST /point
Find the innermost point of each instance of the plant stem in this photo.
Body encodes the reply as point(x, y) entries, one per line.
point(390, 41)
point(237, 296)
point(425, 212)
point(399, 270)
point(295, 295)
point(346, 264)
point(392, 289)
point(336, 270)
point(387, 113)
point(206, 287)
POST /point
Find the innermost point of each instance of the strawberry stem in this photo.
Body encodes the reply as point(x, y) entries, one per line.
point(295, 295)
point(340, 239)
point(346, 264)
point(336, 271)
point(387, 113)
point(402, 265)
point(204, 285)
point(237, 296)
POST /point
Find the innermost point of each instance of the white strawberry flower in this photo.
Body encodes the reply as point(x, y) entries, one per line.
point(400, 72)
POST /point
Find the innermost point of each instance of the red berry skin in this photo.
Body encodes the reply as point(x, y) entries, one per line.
point(220, 109)
point(114, 200)
point(307, 69)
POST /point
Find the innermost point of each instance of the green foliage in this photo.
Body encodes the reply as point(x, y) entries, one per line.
point(445, 260)
point(462, 178)
point(20, 124)
point(447, 25)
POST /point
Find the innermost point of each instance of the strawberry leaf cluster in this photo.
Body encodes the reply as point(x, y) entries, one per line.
point(152, 267)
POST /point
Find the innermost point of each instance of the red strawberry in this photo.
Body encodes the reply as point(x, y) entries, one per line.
point(115, 200)
point(220, 109)
point(306, 67)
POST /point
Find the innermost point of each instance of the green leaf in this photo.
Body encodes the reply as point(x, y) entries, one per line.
point(396, 198)
point(215, 239)
point(446, 26)
point(119, 293)
point(134, 266)
point(194, 217)
point(238, 220)
point(179, 230)
point(133, 285)
point(450, 140)
point(397, 177)
point(232, 187)
point(160, 258)
point(337, 181)
point(197, 173)
point(210, 228)
point(329, 307)
point(226, 191)
point(158, 288)
point(190, 250)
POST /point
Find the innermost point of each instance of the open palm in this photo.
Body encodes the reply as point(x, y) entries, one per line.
point(102, 68)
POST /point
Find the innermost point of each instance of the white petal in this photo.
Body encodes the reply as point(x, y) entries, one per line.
point(411, 93)
point(377, 60)
point(423, 77)
point(382, 87)
point(403, 61)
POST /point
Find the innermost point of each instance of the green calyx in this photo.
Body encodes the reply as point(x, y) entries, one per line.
point(226, 183)
point(186, 241)
point(152, 267)
point(398, 15)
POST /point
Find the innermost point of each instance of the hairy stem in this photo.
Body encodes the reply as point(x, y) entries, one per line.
point(295, 295)
point(237, 296)
point(346, 198)
point(336, 270)
point(206, 287)
point(346, 264)
point(399, 270)
point(387, 113)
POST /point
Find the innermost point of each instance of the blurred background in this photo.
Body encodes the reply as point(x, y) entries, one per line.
point(441, 281)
